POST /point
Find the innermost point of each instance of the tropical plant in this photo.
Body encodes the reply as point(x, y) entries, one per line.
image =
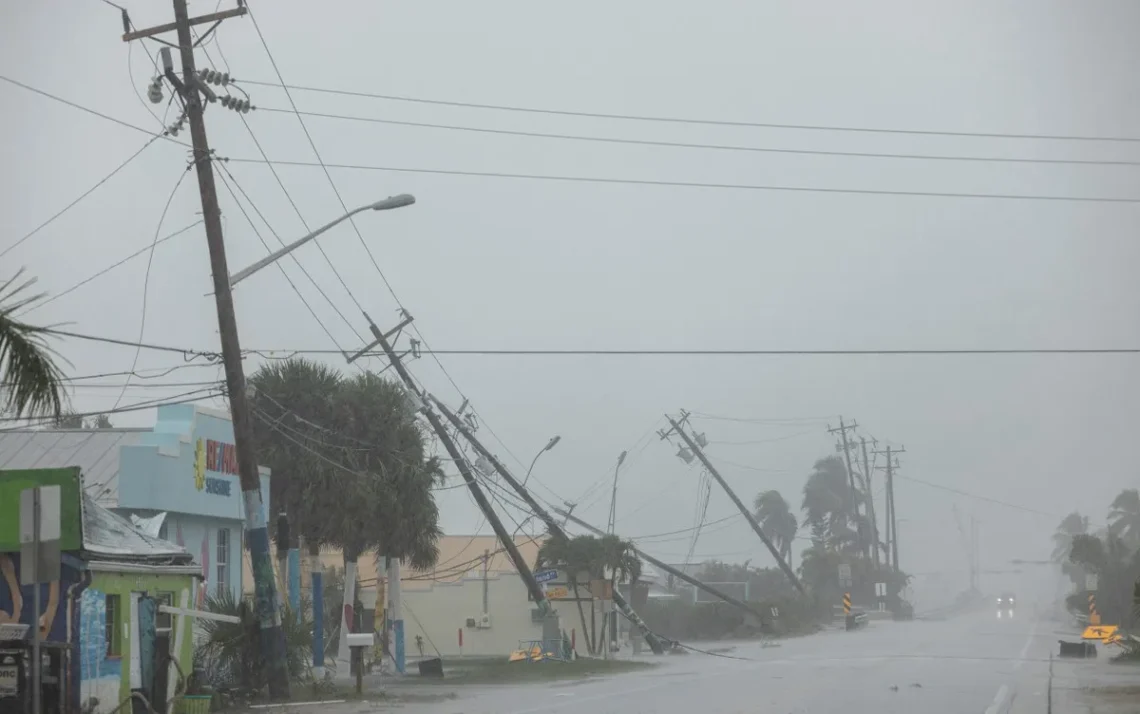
point(71, 420)
point(30, 380)
point(231, 651)
point(777, 521)
point(1070, 526)
point(1124, 516)
point(1117, 567)
point(829, 508)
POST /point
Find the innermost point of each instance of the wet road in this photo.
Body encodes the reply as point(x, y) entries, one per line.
point(973, 663)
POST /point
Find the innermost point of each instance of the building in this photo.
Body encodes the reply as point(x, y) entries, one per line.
point(177, 480)
point(102, 631)
point(475, 590)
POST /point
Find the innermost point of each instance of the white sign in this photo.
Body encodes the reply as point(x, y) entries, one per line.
point(49, 513)
point(1090, 581)
point(845, 574)
point(880, 589)
point(9, 677)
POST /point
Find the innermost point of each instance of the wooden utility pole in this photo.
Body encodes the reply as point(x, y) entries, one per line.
point(871, 505)
point(457, 457)
point(552, 525)
point(842, 431)
point(892, 517)
point(257, 534)
point(696, 449)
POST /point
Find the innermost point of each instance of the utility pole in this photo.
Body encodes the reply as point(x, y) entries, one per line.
point(892, 517)
point(486, 592)
point(192, 90)
point(552, 525)
point(505, 538)
point(696, 449)
point(871, 506)
point(613, 498)
point(973, 553)
point(842, 431)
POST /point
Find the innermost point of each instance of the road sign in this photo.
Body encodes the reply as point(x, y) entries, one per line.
point(39, 556)
point(846, 603)
point(1103, 632)
point(1090, 581)
point(880, 589)
point(845, 575)
point(545, 576)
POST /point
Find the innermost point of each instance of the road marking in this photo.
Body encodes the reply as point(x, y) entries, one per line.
point(999, 699)
point(1025, 648)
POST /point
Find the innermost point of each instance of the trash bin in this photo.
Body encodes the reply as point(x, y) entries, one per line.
point(431, 667)
point(193, 704)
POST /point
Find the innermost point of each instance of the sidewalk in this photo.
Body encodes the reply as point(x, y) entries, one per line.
point(1096, 686)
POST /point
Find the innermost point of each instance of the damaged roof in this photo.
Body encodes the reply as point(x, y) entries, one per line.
point(110, 537)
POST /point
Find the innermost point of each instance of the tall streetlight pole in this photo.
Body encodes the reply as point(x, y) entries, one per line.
point(549, 445)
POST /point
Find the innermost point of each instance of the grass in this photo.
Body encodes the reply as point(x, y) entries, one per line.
point(495, 670)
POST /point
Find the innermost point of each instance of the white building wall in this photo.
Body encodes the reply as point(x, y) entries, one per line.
point(437, 614)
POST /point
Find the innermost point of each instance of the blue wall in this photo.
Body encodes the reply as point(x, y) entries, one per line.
point(160, 474)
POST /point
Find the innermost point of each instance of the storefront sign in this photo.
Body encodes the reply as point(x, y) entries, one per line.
point(210, 455)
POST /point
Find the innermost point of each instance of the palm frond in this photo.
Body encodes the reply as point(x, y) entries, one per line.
point(33, 381)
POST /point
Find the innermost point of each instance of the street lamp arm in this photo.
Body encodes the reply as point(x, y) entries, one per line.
point(391, 202)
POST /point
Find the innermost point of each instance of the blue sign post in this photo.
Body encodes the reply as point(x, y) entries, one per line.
point(545, 576)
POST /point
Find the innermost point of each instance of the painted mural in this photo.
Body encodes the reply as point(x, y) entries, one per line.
point(16, 599)
point(100, 676)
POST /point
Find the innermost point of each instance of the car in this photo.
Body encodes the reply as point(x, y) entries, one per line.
point(1005, 601)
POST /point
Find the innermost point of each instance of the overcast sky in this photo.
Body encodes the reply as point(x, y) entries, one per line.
point(489, 262)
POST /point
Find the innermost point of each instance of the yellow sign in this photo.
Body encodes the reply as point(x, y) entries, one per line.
point(557, 592)
point(200, 465)
point(846, 603)
point(1105, 633)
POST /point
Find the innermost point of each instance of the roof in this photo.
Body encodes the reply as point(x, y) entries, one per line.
point(108, 536)
point(94, 451)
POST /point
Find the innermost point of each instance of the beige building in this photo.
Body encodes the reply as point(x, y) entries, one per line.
point(449, 599)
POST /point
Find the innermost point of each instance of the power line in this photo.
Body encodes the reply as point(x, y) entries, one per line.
point(213, 356)
point(185, 398)
point(109, 268)
point(146, 279)
point(700, 184)
point(710, 122)
point(713, 147)
point(101, 115)
point(81, 196)
point(975, 496)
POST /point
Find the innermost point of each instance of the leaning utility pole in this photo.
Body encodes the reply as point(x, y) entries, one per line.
point(696, 449)
point(192, 89)
point(842, 431)
point(505, 538)
point(871, 506)
point(552, 525)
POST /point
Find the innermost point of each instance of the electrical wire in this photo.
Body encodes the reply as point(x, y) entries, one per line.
point(146, 280)
point(223, 174)
point(163, 371)
point(316, 153)
point(710, 122)
point(711, 185)
point(714, 147)
point(751, 442)
point(101, 115)
point(104, 271)
point(81, 196)
point(185, 398)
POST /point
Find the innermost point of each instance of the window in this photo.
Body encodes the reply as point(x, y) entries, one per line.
point(222, 560)
point(163, 620)
point(112, 631)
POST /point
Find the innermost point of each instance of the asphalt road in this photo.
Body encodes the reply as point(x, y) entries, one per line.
point(973, 663)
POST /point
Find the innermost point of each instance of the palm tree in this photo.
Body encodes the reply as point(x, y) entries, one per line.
point(777, 521)
point(30, 380)
point(1124, 516)
point(829, 505)
point(572, 556)
point(1070, 526)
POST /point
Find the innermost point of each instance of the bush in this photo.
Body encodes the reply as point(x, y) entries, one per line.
point(230, 656)
point(683, 620)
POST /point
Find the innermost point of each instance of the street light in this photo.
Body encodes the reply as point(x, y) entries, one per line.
point(404, 199)
point(549, 445)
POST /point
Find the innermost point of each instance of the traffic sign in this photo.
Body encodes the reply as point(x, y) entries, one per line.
point(545, 576)
point(1090, 581)
point(845, 575)
point(557, 592)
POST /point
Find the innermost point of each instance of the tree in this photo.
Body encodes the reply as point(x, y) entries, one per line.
point(1117, 566)
point(1070, 526)
point(30, 380)
point(1124, 516)
point(777, 521)
point(829, 506)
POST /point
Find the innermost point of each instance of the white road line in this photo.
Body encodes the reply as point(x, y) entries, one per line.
point(1025, 648)
point(999, 699)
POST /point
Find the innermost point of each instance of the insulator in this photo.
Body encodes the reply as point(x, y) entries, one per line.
point(154, 92)
point(214, 77)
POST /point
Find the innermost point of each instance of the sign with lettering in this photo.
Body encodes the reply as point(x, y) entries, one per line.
point(210, 455)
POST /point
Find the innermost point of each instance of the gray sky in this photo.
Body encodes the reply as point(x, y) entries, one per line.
point(508, 263)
